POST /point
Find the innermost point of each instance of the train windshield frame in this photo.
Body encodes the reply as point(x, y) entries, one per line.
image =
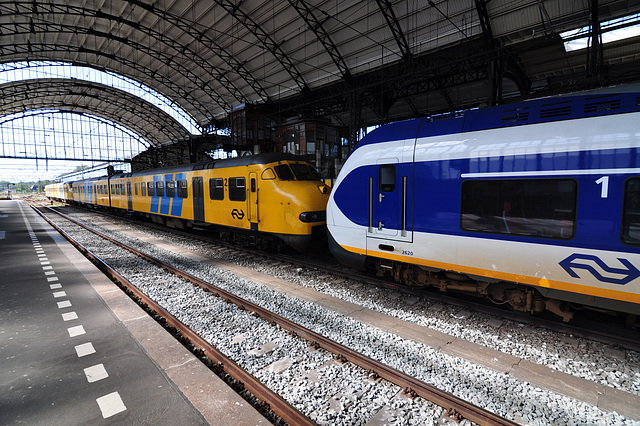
point(296, 171)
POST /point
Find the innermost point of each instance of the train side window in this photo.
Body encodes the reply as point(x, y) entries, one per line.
point(253, 184)
point(268, 174)
point(136, 187)
point(143, 189)
point(171, 188)
point(631, 212)
point(216, 189)
point(150, 189)
point(182, 189)
point(237, 189)
point(387, 178)
point(544, 208)
point(160, 188)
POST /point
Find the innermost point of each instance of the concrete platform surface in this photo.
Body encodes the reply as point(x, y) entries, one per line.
point(76, 350)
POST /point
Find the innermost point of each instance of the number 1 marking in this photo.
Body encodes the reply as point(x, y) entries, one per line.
point(604, 180)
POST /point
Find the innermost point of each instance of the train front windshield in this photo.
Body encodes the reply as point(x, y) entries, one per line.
point(297, 171)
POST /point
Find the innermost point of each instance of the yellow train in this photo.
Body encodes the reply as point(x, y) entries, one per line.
point(267, 200)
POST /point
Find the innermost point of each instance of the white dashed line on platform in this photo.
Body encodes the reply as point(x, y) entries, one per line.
point(69, 316)
point(95, 373)
point(85, 349)
point(52, 279)
point(110, 404)
point(59, 294)
point(76, 331)
point(47, 268)
point(64, 304)
point(55, 286)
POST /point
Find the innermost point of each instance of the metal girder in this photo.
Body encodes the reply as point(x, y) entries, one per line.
point(498, 65)
point(386, 8)
point(594, 50)
point(163, 51)
point(198, 33)
point(118, 106)
point(263, 37)
point(316, 26)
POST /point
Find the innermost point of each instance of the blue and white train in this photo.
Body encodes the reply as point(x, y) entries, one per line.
point(535, 205)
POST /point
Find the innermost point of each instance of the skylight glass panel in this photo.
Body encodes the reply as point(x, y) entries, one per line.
point(613, 30)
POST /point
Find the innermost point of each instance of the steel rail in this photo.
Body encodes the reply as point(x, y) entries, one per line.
point(593, 331)
point(276, 403)
point(412, 386)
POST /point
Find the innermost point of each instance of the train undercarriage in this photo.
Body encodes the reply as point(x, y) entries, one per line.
point(518, 297)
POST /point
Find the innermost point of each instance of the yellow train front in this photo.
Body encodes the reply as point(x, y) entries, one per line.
point(267, 200)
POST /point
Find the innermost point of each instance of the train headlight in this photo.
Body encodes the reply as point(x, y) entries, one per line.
point(324, 189)
point(313, 216)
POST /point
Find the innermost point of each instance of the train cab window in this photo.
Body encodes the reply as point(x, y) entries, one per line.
point(150, 189)
point(387, 178)
point(544, 208)
point(631, 212)
point(182, 189)
point(304, 171)
point(284, 172)
point(171, 188)
point(160, 188)
point(237, 189)
point(216, 189)
point(143, 189)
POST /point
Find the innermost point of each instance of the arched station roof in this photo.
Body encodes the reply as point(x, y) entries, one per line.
point(132, 112)
point(352, 61)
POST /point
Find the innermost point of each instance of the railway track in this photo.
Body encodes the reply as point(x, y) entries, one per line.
point(455, 406)
point(603, 328)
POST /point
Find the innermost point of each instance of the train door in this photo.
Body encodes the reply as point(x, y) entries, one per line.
point(129, 196)
point(389, 206)
point(198, 199)
point(253, 200)
point(383, 199)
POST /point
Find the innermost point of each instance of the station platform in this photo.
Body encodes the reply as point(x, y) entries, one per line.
point(74, 349)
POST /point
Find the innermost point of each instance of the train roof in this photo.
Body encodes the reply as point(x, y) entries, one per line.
point(265, 158)
point(536, 111)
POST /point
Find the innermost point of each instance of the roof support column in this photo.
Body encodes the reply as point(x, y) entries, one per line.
point(355, 104)
point(594, 49)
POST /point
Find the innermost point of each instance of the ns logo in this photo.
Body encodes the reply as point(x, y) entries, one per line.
point(237, 214)
point(599, 269)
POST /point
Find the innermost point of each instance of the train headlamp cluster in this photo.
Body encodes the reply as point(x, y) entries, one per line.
point(324, 189)
point(307, 217)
